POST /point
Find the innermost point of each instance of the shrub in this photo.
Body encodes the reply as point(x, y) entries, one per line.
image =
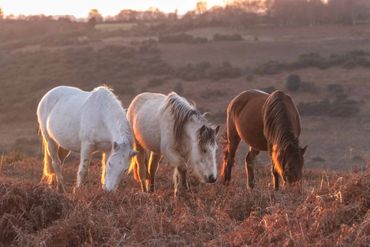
point(155, 82)
point(212, 93)
point(226, 70)
point(270, 67)
point(310, 60)
point(335, 88)
point(293, 82)
point(181, 38)
point(308, 87)
point(178, 88)
point(340, 107)
point(226, 37)
point(269, 89)
point(204, 70)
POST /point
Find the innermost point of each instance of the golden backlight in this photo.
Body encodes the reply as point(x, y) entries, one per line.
point(81, 8)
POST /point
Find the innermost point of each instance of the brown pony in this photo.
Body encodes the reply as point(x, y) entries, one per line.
point(266, 123)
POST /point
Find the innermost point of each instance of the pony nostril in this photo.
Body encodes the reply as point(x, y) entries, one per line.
point(211, 179)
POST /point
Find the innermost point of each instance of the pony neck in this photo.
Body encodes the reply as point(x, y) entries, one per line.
point(117, 131)
point(117, 124)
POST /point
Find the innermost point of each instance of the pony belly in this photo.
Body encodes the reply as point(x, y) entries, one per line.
point(68, 142)
point(64, 135)
point(149, 142)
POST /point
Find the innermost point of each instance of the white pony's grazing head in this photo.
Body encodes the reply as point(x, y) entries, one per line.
point(202, 155)
point(118, 161)
point(194, 139)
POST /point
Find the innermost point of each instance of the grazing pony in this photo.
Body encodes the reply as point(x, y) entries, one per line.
point(266, 123)
point(85, 122)
point(169, 125)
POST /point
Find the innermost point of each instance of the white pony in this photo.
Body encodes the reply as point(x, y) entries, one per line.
point(169, 125)
point(85, 122)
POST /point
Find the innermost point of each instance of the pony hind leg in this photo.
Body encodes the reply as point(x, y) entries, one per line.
point(52, 150)
point(249, 166)
point(233, 140)
point(229, 157)
point(152, 169)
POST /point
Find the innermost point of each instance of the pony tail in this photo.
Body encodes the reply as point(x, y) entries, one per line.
point(103, 165)
point(48, 175)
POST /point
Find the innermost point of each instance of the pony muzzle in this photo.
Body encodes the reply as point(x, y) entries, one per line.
point(211, 179)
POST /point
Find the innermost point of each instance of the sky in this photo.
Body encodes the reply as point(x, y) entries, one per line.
point(80, 8)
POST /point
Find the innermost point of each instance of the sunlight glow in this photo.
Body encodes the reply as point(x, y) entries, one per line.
point(81, 8)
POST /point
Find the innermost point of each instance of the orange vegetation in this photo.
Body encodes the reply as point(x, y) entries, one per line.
point(331, 209)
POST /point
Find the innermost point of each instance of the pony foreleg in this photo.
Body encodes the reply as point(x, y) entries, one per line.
point(275, 177)
point(249, 166)
point(85, 155)
point(179, 180)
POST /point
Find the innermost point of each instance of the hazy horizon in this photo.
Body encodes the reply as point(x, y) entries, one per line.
point(106, 8)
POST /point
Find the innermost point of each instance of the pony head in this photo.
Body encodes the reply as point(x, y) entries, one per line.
point(202, 155)
point(118, 161)
point(292, 162)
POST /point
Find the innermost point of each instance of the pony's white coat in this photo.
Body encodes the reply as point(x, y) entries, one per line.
point(153, 123)
point(85, 122)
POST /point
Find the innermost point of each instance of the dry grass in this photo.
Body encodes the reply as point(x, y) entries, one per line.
point(330, 209)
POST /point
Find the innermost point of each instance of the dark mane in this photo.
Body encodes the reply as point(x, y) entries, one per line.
point(277, 123)
point(182, 112)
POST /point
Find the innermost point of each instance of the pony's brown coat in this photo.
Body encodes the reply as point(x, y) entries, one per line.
point(262, 121)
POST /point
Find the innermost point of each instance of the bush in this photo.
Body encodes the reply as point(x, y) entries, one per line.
point(155, 82)
point(308, 87)
point(269, 89)
point(226, 37)
point(226, 70)
point(178, 88)
point(212, 93)
point(293, 82)
point(347, 60)
point(335, 88)
point(340, 107)
point(181, 38)
point(204, 70)
point(270, 67)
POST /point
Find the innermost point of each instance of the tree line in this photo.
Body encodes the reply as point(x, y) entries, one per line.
point(240, 13)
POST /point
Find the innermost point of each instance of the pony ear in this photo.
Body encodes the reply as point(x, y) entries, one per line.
point(203, 128)
point(303, 150)
point(217, 129)
point(115, 146)
point(205, 114)
point(132, 153)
